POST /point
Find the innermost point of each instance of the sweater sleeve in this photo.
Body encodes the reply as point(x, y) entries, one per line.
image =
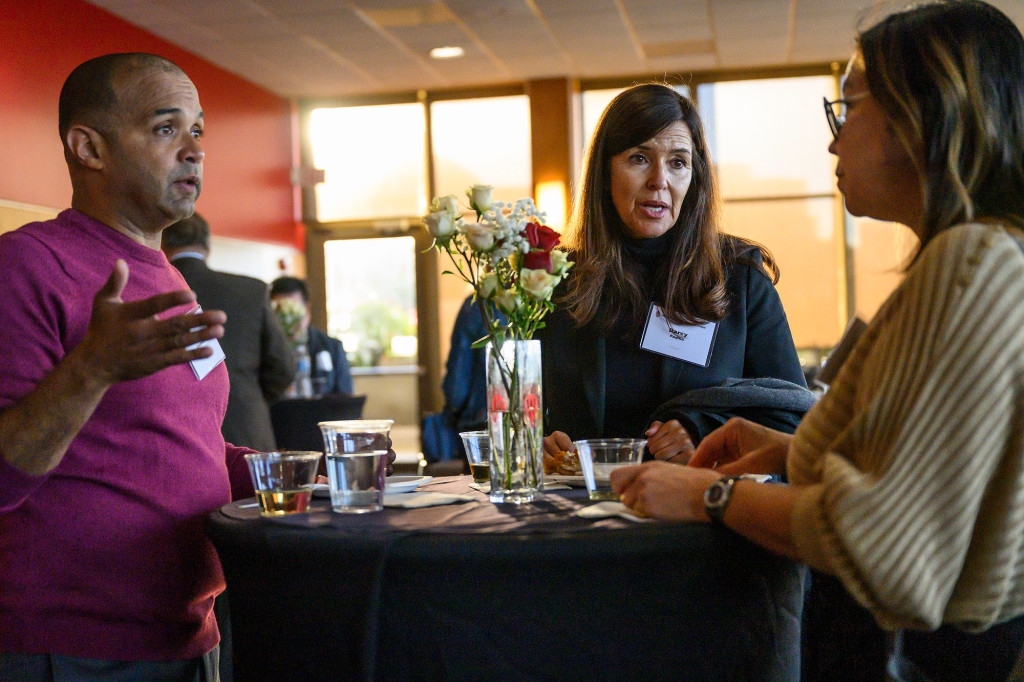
point(32, 323)
point(911, 464)
point(238, 472)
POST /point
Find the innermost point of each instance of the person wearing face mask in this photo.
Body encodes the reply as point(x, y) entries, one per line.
point(665, 327)
point(906, 480)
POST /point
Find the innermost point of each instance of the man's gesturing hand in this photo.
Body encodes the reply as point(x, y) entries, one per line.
point(129, 340)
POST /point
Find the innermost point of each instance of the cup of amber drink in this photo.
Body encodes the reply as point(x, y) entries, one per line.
point(283, 480)
point(478, 452)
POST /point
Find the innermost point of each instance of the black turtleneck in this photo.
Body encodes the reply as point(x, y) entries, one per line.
point(633, 375)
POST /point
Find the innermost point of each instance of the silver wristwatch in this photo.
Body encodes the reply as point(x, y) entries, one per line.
point(717, 496)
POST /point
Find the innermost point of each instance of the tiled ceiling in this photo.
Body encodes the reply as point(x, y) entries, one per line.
point(334, 48)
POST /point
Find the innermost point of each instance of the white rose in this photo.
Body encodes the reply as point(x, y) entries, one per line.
point(447, 204)
point(507, 301)
point(559, 262)
point(440, 223)
point(480, 197)
point(537, 283)
point(480, 236)
point(488, 286)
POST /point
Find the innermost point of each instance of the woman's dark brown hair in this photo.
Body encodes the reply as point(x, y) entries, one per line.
point(694, 282)
point(950, 77)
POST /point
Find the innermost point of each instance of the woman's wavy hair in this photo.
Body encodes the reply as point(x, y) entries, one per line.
point(603, 278)
point(950, 77)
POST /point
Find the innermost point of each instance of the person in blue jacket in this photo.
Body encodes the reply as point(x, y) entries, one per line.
point(665, 327)
point(329, 360)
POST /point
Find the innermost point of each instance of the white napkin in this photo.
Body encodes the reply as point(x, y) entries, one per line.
point(603, 510)
point(424, 499)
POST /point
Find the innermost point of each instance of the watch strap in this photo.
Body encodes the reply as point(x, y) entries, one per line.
point(718, 496)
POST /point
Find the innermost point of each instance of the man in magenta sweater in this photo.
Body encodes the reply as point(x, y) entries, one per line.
point(111, 453)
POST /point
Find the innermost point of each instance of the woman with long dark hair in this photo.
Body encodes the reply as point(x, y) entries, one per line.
point(906, 479)
point(660, 307)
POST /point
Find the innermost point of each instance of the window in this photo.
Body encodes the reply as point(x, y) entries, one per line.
point(769, 143)
point(482, 141)
point(371, 299)
point(374, 161)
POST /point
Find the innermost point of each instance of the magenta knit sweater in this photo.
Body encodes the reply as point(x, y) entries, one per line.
point(105, 556)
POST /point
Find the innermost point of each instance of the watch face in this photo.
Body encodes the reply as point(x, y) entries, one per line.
point(715, 493)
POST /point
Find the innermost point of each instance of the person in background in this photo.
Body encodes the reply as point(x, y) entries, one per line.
point(111, 454)
point(465, 379)
point(329, 361)
point(906, 480)
point(464, 387)
point(664, 328)
point(258, 357)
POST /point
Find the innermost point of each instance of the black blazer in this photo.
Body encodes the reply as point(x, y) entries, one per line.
point(258, 357)
point(753, 340)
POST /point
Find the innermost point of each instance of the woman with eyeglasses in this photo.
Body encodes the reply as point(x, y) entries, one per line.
point(906, 480)
point(660, 308)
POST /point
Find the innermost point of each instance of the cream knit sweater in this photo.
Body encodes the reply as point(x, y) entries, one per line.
point(914, 459)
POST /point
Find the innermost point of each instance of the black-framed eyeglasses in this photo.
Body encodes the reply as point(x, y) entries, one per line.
point(835, 112)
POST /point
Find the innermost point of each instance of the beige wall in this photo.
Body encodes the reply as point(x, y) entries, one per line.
point(13, 215)
point(390, 396)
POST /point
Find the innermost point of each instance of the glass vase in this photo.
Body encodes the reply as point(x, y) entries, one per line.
point(515, 409)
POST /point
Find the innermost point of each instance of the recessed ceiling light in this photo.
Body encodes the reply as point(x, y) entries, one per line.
point(447, 52)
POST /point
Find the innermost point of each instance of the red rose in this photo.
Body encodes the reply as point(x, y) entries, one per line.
point(541, 237)
point(538, 260)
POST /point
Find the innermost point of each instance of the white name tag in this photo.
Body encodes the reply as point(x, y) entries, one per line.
point(689, 343)
point(203, 366)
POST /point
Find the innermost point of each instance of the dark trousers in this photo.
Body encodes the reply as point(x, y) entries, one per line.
point(55, 668)
point(842, 641)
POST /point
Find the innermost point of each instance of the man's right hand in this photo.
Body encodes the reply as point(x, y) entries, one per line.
point(128, 341)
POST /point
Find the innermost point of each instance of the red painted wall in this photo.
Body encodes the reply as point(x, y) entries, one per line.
point(247, 193)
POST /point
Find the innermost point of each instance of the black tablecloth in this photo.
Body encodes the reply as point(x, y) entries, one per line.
point(479, 591)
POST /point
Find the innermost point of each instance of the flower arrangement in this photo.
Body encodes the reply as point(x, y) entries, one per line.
point(508, 256)
point(289, 313)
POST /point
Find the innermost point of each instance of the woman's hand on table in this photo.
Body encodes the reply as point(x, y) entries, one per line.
point(743, 447)
point(669, 441)
point(664, 491)
point(558, 441)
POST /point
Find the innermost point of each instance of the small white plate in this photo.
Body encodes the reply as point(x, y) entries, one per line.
point(404, 484)
point(393, 485)
point(574, 481)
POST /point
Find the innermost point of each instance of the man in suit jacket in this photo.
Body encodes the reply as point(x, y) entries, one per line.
point(259, 359)
point(333, 367)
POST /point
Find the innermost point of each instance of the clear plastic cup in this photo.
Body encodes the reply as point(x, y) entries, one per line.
point(357, 462)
